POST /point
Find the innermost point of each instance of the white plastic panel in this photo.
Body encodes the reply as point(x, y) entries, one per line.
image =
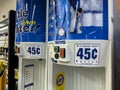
point(39, 73)
point(81, 78)
point(71, 52)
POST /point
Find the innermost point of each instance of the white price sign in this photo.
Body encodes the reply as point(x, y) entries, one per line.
point(34, 51)
point(87, 54)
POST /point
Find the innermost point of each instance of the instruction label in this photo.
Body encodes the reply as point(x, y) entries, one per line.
point(29, 77)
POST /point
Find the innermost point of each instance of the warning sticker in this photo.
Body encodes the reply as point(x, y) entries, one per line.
point(60, 81)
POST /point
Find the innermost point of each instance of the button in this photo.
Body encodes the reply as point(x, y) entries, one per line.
point(56, 49)
point(62, 52)
point(17, 50)
point(56, 55)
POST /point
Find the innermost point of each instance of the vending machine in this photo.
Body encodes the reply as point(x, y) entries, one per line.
point(30, 41)
point(80, 36)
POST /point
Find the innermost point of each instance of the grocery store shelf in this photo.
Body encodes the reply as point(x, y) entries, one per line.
point(4, 26)
point(4, 30)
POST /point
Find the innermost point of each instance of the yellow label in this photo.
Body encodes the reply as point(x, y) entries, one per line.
point(60, 81)
point(29, 22)
point(16, 74)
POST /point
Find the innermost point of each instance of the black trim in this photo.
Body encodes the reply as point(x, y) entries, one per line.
point(12, 59)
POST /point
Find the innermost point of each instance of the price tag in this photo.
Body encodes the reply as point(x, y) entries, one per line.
point(34, 51)
point(87, 54)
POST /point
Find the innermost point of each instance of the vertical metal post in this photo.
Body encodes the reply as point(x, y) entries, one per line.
point(12, 59)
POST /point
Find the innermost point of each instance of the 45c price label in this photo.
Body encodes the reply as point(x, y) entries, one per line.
point(34, 51)
point(87, 54)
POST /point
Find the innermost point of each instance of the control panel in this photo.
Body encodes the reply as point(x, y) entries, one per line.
point(59, 53)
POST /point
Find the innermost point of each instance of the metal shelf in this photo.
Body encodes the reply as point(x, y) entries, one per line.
point(4, 26)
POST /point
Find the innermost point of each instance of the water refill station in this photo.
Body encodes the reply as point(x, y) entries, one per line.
point(80, 36)
point(30, 43)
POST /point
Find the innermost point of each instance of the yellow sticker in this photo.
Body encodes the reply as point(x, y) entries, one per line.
point(60, 81)
point(16, 74)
